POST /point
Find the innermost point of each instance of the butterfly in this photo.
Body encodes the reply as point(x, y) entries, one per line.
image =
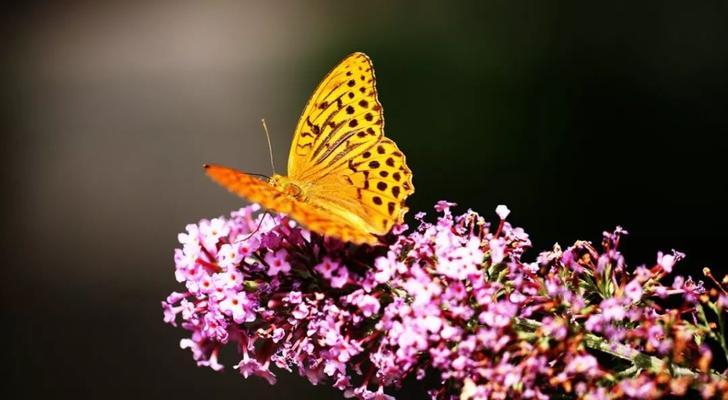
point(345, 179)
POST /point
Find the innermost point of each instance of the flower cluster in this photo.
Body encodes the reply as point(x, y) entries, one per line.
point(452, 300)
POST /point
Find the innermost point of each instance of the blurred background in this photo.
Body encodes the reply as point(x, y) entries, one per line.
point(577, 116)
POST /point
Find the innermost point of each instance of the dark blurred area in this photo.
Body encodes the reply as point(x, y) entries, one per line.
point(578, 116)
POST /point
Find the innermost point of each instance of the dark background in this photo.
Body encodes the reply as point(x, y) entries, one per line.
point(577, 116)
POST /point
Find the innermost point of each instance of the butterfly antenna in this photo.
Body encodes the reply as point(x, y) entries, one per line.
point(270, 148)
point(256, 229)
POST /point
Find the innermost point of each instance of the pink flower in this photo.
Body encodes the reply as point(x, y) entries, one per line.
point(247, 247)
point(582, 364)
point(250, 366)
point(190, 237)
point(369, 305)
point(453, 301)
point(722, 301)
point(294, 297)
point(386, 267)
point(638, 388)
point(666, 261)
point(205, 352)
point(228, 256)
point(555, 328)
point(633, 291)
point(340, 277)
point(232, 279)
point(655, 335)
point(612, 310)
point(502, 211)
point(300, 312)
point(497, 250)
point(443, 206)
point(326, 267)
point(277, 262)
point(170, 313)
point(239, 307)
point(278, 334)
point(211, 231)
point(499, 314)
point(187, 267)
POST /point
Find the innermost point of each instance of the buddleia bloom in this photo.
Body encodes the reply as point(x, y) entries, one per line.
point(452, 299)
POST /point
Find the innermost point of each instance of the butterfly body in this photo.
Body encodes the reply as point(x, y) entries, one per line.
point(288, 187)
point(345, 179)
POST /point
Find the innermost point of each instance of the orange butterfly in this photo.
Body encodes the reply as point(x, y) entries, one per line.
point(345, 179)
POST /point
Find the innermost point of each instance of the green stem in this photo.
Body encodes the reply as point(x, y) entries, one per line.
point(721, 331)
point(637, 358)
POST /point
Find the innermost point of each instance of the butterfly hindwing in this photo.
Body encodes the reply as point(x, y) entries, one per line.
point(378, 180)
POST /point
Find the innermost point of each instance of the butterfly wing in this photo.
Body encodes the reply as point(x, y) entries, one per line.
point(344, 99)
point(314, 218)
point(340, 152)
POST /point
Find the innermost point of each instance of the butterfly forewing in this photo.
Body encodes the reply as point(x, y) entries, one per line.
point(339, 147)
point(253, 189)
point(313, 217)
point(342, 118)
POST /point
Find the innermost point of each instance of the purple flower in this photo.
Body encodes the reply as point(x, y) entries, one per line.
point(326, 267)
point(583, 364)
point(211, 231)
point(369, 305)
point(498, 314)
point(666, 261)
point(612, 310)
point(443, 206)
point(249, 366)
point(228, 256)
point(277, 262)
point(453, 299)
point(638, 388)
point(555, 328)
point(633, 291)
point(239, 307)
point(248, 247)
point(340, 277)
point(497, 250)
point(722, 301)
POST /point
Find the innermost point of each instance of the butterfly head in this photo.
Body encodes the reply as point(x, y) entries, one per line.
point(288, 187)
